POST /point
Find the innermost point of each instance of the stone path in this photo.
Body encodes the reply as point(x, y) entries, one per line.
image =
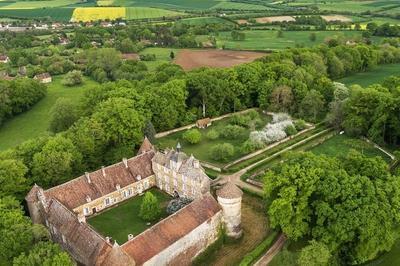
point(267, 258)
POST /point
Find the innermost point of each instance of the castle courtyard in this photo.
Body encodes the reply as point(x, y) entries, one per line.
point(120, 221)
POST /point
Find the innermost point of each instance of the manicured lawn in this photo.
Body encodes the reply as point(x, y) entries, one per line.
point(269, 40)
point(35, 122)
point(122, 220)
point(377, 75)
point(162, 56)
point(340, 145)
point(202, 149)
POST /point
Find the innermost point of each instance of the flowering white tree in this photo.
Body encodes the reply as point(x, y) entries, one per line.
point(273, 131)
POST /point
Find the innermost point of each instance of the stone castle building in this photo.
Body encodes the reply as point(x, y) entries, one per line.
point(175, 240)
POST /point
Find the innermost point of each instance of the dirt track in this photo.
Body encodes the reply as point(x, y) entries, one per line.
point(190, 59)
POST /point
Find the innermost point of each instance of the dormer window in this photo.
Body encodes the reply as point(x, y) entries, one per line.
point(118, 187)
point(88, 199)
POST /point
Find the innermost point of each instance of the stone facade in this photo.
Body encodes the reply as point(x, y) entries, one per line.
point(174, 240)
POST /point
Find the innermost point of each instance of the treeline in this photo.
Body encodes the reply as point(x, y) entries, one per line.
point(386, 29)
point(19, 95)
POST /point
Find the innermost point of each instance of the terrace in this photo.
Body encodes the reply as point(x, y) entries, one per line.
point(124, 219)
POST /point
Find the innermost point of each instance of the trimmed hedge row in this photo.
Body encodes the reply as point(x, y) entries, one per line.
point(251, 257)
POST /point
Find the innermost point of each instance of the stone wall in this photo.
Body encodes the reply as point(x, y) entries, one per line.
point(231, 209)
point(183, 251)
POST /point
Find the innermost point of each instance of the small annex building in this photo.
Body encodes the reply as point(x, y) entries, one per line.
point(43, 78)
point(204, 123)
point(175, 240)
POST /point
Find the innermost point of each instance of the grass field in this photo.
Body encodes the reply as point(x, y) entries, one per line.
point(120, 221)
point(56, 13)
point(37, 4)
point(390, 258)
point(35, 122)
point(162, 56)
point(376, 75)
point(225, 5)
point(204, 20)
point(340, 145)
point(268, 39)
point(202, 149)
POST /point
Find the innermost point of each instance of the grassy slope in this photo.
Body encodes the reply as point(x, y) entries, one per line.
point(268, 40)
point(39, 4)
point(35, 122)
point(376, 75)
point(124, 219)
point(344, 5)
point(146, 12)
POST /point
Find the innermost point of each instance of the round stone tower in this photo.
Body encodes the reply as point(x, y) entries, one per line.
point(230, 199)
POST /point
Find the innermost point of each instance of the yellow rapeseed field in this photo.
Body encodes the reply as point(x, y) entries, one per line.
point(98, 13)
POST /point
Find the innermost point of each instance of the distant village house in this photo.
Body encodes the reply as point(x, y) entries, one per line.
point(4, 59)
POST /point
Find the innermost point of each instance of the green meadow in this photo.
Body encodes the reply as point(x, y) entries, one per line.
point(35, 122)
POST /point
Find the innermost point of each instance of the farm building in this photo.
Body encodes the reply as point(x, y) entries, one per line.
point(43, 78)
point(203, 123)
point(175, 240)
point(4, 59)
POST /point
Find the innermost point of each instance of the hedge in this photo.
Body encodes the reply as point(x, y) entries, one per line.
point(251, 257)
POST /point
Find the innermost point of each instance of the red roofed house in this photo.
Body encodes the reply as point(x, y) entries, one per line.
point(4, 59)
point(176, 240)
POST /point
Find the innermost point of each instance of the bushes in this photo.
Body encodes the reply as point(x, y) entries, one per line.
point(245, 120)
point(72, 78)
point(290, 130)
point(222, 152)
point(212, 134)
point(259, 250)
point(249, 146)
point(300, 124)
point(193, 136)
point(232, 131)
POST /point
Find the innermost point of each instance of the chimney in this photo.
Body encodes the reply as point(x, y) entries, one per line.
point(108, 239)
point(196, 164)
point(88, 177)
point(125, 161)
point(130, 237)
point(82, 218)
point(138, 177)
point(103, 171)
point(178, 147)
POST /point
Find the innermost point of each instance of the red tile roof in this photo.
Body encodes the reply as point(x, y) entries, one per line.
point(146, 146)
point(160, 236)
point(74, 193)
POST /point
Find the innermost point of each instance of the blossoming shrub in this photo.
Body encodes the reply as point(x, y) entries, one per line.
point(274, 131)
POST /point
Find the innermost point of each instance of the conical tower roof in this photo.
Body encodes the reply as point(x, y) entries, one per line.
point(146, 146)
point(229, 191)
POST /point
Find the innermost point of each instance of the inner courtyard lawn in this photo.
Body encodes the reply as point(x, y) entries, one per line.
point(202, 149)
point(120, 221)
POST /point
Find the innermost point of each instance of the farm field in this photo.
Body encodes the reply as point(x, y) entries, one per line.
point(98, 13)
point(191, 59)
point(204, 20)
point(202, 150)
point(36, 4)
point(255, 229)
point(268, 39)
point(35, 122)
point(377, 75)
point(120, 221)
point(345, 5)
point(147, 12)
point(57, 13)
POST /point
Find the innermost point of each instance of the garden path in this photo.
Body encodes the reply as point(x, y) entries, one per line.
point(272, 251)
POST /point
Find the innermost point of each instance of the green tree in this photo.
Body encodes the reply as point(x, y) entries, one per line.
point(64, 114)
point(312, 106)
point(315, 254)
point(72, 78)
point(56, 163)
point(193, 136)
point(149, 131)
point(313, 37)
point(120, 122)
point(46, 254)
point(12, 178)
point(150, 208)
point(222, 152)
point(172, 55)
